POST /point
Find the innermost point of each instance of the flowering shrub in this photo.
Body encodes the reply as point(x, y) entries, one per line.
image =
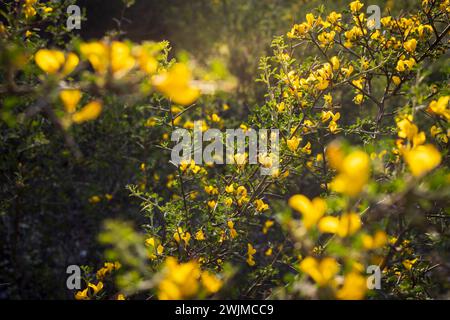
point(357, 207)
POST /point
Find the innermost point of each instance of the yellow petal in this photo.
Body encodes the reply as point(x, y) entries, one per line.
point(89, 112)
point(49, 61)
point(70, 99)
point(329, 224)
point(71, 63)
point(175, 84)
point(349, 223)
point(422, 159)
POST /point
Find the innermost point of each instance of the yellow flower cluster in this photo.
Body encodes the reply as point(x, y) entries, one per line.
point(155, 247)
point(182, 235)
point(250, 253)
point(28, 8)
point(420, 158)
point(353, 170)
point(185, 280)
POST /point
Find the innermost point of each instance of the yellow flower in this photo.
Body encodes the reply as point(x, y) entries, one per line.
point(228, 201)
point(358, 83)
point(200, 236)
point(70, 99)
point(240, 158)
point(116, 57)
point(120, 296)
point(175, 84)
point(440, 107)
point(347, 71)
point(408, 130)
point(386, 21)
point(322, 272)
point(354, 288)
point(379, 240)
point(422, 159)
point(328, 99)
point(396, 80)
point(335, 62)
point(311, 211)
point(353, 172)
point(96, 288)
point(268, 252)
point(180, 280)
point(410, 45)
point(211, 190)
point(211, 204)
point(404, 65)
point(94, 199)
point(121, 60)
point(28, 9)
point(233, 232)
point(261, 206)
point(82, 295)
point(54, 61)
point(181, 235)
point(310, 19)
point(408, 264)
point(158, 249)
point(347, 225)
point(250, 252)
point(229, 189)
point(211, 282)
point(293, 143)
point(333, 17)
point(358, 99)
point(241, 192)
point(333, 127)
point(89, 112)
point(145, 59)
point(267, 225)
point(355, 6)
point(439, 134)
point(98, 55)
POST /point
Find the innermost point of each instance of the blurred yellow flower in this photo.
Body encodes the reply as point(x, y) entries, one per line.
point(422, 159)
point(378, 240)
point(211, 282)
point(322, 272)
point(54, 61)
point(180, 280)
point(353, 172)
point(354, 288)
point(175, 84)
point(89, 112)
point(70, 99)
point(267, 225)
point(346, 225)
point(311, 211)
